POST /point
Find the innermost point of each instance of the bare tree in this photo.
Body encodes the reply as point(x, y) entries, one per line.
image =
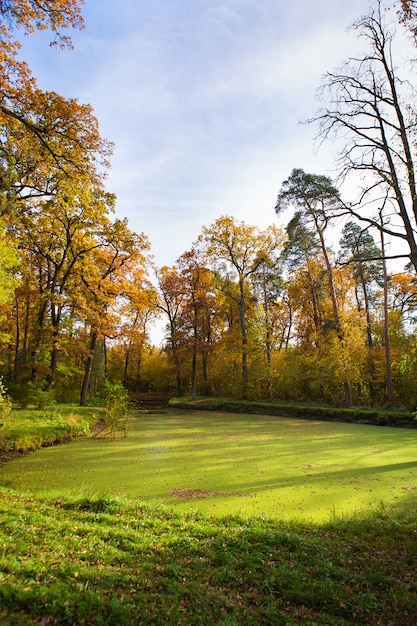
point(371, 109)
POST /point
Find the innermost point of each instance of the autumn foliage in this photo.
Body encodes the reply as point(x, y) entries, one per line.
point(277, 313)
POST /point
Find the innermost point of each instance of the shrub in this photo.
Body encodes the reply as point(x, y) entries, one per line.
point(76, 425)
point(116, 403)
point(5, 400)
point(363, 416)
point(28, 394)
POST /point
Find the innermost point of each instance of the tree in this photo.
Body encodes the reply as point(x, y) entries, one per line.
point(45, 141)
point(171, 302)
point(387, 346)
point(44, 138)
point(308, 295)
point(9, 261)
point(42, 131)
point(408, 15)
point(371, 108)
point(403, 289)
point(300, 255)
point(52, 167)
point(236, 247)
point(313, 197)
point(357, 247)
point(119, 254)
point(137, 311)
point(268, 286)
point(57, 236)
point(198, 309)
point(31, 15)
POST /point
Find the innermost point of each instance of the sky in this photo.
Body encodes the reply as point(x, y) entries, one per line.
point(204, 101)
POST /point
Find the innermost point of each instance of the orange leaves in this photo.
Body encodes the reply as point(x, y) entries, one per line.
point(45, 137)
point(31, 15)
point(403, 287)
point(50, 138)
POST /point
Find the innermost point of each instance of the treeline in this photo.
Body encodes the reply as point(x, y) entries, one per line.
point(280, 313)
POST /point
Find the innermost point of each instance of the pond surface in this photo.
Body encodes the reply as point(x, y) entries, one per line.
point(228, 463)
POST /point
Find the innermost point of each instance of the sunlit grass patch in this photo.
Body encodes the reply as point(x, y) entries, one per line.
point(25, 430)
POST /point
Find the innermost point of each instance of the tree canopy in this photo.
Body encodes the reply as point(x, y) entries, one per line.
point(283, 312)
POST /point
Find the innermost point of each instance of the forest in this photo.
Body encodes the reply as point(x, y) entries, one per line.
point(319, 307)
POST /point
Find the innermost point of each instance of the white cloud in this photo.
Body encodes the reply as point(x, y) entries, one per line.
point(203, 101)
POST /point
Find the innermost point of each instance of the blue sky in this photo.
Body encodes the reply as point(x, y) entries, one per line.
point(202, 99)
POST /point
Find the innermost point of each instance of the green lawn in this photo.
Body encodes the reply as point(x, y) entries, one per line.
point(113, 561)
point(230, 463)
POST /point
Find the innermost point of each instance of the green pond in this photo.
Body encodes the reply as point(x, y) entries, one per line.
point(228, 463)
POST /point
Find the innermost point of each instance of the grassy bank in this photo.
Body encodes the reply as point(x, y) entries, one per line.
point(26, 430)
point(357, 415)
point(117, 561)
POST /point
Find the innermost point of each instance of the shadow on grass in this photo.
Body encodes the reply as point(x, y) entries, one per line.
point(125, 563)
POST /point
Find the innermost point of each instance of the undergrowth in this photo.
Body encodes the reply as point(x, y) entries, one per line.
point(30, 429)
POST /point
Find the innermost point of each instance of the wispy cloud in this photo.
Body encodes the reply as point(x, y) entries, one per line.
point(203, 101)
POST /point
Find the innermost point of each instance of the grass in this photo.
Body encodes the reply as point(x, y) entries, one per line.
point(25, 430)
point(106, 560)
point(75, 552)
point(382, 416)
point(228, 463)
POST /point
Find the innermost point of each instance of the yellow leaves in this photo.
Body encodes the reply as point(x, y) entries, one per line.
point(112, 274)
point(30, 15)
point(403, 287)
point(231, 242)
point(48, 137)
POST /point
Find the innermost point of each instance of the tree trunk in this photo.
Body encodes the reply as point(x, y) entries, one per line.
point(105, 358)
point(194, 377)
point(17, 342)
point(56, 313)
point(194, 364)
point(88, 369)
point(53, 363)
point(386, 325)
point(38, 341)
point(369, 335)
point(204, 387)
point(177, 373)
point(244, 341)
point(126, 366)
point(204, 359)
point(268, 339)
point(346, 382)
point(176, 361)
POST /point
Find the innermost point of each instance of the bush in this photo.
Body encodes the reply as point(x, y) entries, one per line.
point(26, 395)
point(5, 400)
point(27, 430)
point(115, 400)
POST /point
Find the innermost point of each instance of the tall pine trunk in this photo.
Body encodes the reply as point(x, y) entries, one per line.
point(390, 394)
